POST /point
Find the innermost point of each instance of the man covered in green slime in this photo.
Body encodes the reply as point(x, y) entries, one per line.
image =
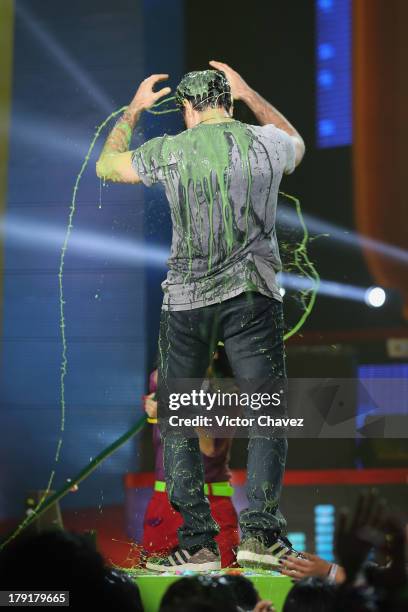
point(221, 178)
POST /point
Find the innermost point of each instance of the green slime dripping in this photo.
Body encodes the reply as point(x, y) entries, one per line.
point(198, 171)
point(301, 261)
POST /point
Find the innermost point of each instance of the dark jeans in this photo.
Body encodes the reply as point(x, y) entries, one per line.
point(251, 327)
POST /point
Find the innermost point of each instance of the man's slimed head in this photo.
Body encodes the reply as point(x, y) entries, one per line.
point(204, 97)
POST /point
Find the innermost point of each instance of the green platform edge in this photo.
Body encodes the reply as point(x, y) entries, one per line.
point(272, 587)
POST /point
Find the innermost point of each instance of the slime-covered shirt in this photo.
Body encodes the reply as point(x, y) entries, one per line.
point(221, 181)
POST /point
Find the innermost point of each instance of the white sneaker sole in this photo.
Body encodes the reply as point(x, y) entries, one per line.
point(195, 567)
point(248, 558)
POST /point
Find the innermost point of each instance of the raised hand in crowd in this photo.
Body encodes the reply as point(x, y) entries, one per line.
point(358, 533)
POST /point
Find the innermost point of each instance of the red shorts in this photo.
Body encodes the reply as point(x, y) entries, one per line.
point(161, 522)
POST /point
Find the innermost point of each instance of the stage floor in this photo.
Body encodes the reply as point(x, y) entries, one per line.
point(269, 585)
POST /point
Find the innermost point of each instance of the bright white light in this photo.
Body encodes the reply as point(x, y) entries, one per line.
point(375, 297)
point(282, 291)
point(328, 288)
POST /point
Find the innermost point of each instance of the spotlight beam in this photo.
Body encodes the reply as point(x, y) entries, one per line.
point(343, 235)
point(62, 56)
point(326, 287)
point(29, 130)
point(23, 232)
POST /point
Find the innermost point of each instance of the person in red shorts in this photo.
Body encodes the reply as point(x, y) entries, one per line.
point(161, 521)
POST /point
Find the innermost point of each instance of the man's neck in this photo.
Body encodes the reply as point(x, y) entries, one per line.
point(213, 115)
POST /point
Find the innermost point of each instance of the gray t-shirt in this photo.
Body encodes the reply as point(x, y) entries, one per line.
point(221, 181)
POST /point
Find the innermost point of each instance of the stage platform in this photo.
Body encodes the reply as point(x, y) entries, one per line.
point(270, 585)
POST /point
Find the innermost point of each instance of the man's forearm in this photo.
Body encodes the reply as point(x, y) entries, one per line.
point(115, 162)
point(266, 113)
point(118, 141)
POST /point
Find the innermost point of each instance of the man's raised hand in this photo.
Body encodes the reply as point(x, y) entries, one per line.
point(239, 88)
point(145, 97)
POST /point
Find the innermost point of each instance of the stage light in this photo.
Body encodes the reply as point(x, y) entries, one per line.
point(24, 231)
point(324, 541)
point(327, 127)
point(298, 539)
point(333, 73)
point(42, 235)
point(325, 287)
point(61, 137)
point(325, 51)
point(325, 78)
point(325, 5)
point(56, 51)
point(288, 218)
point(375, 297)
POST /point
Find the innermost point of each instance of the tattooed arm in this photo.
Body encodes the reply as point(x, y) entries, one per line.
point(115, 161)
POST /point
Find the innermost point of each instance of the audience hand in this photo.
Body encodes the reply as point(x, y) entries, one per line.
point(150, 405)
point(298, 568)
point(394, 575)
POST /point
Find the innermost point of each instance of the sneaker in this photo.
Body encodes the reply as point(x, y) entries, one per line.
point(197, 558)
point(255, 552)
